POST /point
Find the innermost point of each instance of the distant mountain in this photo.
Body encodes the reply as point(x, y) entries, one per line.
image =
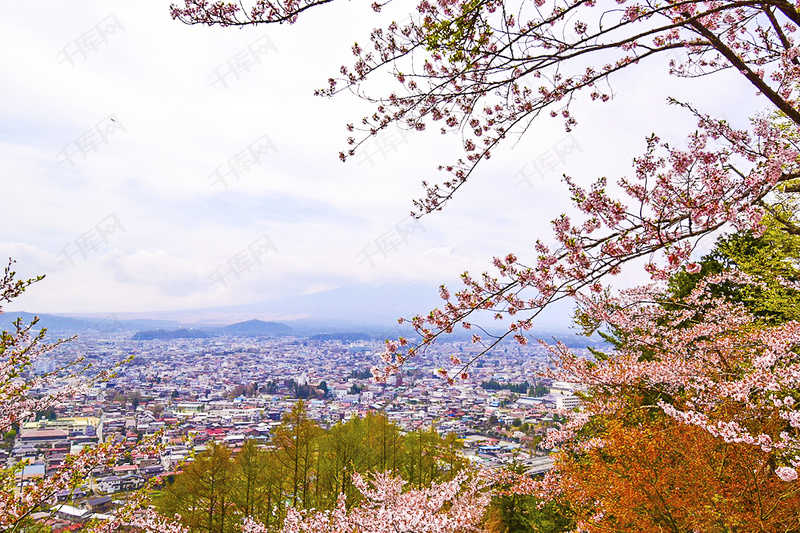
point(61, 325)
point(345, 309)
point(371, 309)
point(163, 334)
point(257, 327)
point(56, 324)
point(349, 309)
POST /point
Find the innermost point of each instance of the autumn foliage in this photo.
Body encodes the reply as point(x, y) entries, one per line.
point(690, 423)
point(661, 476)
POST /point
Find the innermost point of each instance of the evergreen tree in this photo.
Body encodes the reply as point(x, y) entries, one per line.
point(295, 442)
point(202, 493)
point(256, 483)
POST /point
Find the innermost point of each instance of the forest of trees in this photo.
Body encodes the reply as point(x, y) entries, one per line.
point(305, 467)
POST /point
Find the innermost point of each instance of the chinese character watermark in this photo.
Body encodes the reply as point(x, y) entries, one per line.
point(379, 145)
point(548, 161)
point(92, 240)
point(91, 40)
point(90, 140)
point(243, 261)
point(242, 62)
point(242, 161)
point(390, 240)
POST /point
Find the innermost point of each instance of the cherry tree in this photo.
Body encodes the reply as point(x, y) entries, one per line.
point(19, 349)
point(455, 506)
point(691, 423)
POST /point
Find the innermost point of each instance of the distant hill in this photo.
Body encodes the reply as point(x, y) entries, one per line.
point(371, 309)
point(53, 323)
point(257, 327)
point(76, 324)
point(163, 334)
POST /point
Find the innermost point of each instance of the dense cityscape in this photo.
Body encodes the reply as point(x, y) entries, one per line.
point(229, 389)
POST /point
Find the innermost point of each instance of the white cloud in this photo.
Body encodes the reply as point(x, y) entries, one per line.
point(176, 128)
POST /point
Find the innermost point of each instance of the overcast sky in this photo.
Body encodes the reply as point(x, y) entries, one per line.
point(121, 128)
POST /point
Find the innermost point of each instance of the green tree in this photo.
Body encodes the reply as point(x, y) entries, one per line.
point(363, 445)
point(522, 513)
point(135, 399)
point(306, 465)
point(49, 414)
point(202, 493)
point(772, 259)
point(343, 452)
point(451, 458)
point(257, 482)
point(538, 390)
point(8, 438)
point(423, 449)
point(295, 443)
point(385, 443)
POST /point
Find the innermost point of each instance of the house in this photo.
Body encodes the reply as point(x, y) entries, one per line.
point(151, 471)
point(21, 451)
point(30, 471)
point(131, 482)
point(69, 495)
point(110, 484)
point(562, 401)
point(40, 437)
point(98, 505)
point(71, 513)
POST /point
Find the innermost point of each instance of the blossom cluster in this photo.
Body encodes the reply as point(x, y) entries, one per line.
point(455, 506)
point(707, 362)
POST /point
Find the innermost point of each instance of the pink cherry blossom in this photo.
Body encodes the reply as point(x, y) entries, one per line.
point(786, 473)
point(454, 506)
